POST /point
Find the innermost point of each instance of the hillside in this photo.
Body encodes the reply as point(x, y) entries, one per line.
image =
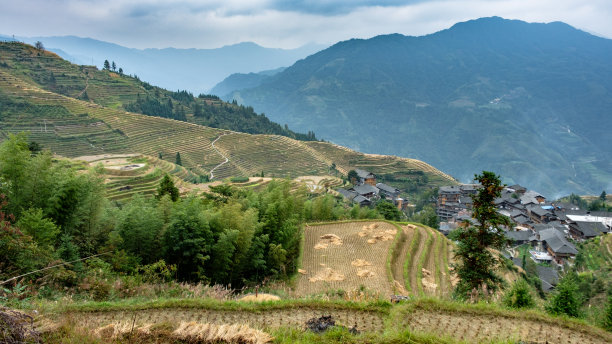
point(197, 70)
point(72, 128)
point(117, 90)
point(527, 101)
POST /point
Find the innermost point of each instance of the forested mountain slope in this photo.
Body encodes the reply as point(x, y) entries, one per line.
point(531, 102)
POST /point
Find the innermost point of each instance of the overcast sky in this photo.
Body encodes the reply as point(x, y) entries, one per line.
point(275, 23)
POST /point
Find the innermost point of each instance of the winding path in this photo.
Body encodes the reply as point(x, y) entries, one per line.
point(212, 176)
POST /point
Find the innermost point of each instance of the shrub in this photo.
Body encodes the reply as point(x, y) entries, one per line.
point(519, 296)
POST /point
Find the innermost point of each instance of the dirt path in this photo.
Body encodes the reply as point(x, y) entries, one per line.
point(397, 269)
point(219, 152)
point(414, 267)
point(86, 86)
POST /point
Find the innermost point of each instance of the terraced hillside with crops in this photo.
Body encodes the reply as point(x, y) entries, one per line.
point(418, 321)
point(71, 127)
point(385, 258)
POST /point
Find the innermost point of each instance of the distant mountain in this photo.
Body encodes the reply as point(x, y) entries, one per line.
point(532, 102)
point(239, 81)
point(196, 70)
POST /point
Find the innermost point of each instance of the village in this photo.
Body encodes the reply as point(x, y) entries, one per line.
point(550, 230)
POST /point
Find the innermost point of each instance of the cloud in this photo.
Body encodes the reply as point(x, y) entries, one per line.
point(276, 23)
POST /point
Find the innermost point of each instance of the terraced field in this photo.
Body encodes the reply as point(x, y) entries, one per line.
point(383, 257)
point(128, 174)
point(448, 322)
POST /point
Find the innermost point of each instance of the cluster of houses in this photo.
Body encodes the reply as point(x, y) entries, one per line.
point(550, 229)
point(366, 191)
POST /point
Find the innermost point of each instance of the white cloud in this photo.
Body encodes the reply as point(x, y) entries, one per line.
point(202, 24)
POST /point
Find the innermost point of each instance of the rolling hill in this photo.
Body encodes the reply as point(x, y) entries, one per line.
point(528, 101)
point(73, 127)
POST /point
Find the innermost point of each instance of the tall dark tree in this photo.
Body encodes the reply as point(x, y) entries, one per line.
point(166, 187)
point(106, 65)
point(352, 176)
point(120, 70)
point(39, 45)
point(178, 159)
point(476, 262)
point(114, 66)
point(603, 195)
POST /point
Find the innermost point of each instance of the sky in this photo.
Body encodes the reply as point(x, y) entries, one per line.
point(276, 23)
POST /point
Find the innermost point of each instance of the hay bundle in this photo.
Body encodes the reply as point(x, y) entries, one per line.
point(363, 273)
point(360, 262)
point(212, 333)
point(259, 298)
point(327, 275)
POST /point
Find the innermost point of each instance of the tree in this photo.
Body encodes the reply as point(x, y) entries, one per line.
point(166, 187)
point(114, 66)
point(41, 229)
point(388, 210)
point(106, 65)
point(120, 70)
point(39, 45)
point(476, 263)
point(602, 197)
point(565, 300)
point(178, 159)
point(352, 176)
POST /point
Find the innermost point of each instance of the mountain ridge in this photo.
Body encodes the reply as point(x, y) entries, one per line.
point(539, 90)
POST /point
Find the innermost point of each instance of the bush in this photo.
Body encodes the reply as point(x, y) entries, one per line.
point(239, 179)
point(565, 300)
point(519, 296)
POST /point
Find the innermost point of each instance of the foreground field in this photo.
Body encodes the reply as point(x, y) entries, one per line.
point(378, 256)
point(419, 321)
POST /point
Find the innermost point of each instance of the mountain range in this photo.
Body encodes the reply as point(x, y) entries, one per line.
point(195, 70)
point(529, 101)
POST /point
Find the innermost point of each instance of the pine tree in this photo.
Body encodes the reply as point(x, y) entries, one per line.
point(114, 66)
point(178, 159)
point(166, 186)
point(476, 262)
point(106, 65)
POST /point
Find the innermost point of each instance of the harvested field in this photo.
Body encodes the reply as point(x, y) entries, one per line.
point(474, 328)
point(264, 319)
point(346, 256)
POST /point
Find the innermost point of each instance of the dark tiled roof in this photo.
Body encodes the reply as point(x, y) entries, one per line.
point(449, 189)
point(361, 200)
point(549, 277)
point(518, 235)
point(590, 229)
point(539, 211)
point(387, 188)
point(556, 241)
point(364, 174)
point(365, 189)
point(348, 194)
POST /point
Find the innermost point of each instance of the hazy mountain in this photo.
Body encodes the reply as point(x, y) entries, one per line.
point(196, 70)
point(531, 102)
point(239, 81)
